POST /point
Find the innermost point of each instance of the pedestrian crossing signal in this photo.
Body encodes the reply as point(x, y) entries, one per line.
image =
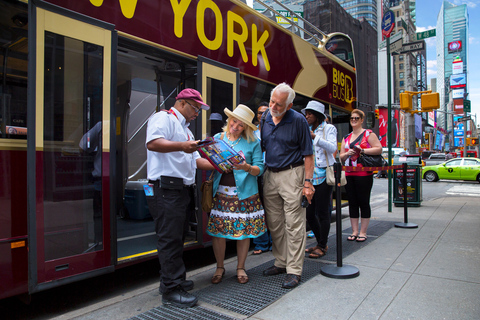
point(473, 141)
point(430, 101)
point(405, 101)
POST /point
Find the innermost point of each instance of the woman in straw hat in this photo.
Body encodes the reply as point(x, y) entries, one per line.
point(237, 212)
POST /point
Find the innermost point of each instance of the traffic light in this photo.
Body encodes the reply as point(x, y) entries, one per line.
point(405, 101)
point(473, 141)
point(468, 141)
point(430, 101)
point(377, 114)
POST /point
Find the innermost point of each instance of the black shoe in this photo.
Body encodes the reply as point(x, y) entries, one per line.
point(274, 270)
point(291, 281)
point(187, 285)
point(179, 298)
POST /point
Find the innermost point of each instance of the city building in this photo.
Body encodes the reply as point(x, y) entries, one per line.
point(329, 16)
point(361, 9)
point(452, 66)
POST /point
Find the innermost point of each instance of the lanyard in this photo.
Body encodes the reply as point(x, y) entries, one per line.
point(171, 111)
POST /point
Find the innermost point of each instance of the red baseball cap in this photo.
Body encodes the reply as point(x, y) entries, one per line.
point(194, 95)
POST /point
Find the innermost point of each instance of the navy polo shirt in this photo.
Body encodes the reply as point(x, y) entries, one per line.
point(288, 142)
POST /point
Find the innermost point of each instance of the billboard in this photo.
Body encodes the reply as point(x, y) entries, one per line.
point(457, 67)
point(458, 81)
point(455, 46)
point(458, 106)
point(458, 93)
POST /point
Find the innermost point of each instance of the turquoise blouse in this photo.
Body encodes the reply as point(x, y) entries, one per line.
point(245, 182)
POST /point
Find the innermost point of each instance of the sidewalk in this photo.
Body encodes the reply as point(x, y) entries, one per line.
point(430, 272)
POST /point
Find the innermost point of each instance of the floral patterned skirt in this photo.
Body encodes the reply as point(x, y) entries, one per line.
point(236, 219)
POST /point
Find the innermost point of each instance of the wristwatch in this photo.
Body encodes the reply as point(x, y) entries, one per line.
point(309, 180)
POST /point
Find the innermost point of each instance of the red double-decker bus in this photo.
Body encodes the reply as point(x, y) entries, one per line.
point(79, 80)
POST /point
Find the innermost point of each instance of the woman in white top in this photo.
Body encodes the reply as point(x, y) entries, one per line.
point(324, 138)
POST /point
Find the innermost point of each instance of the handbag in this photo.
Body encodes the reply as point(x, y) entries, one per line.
point(368, 160)
point(207, 194)
point(330, 172)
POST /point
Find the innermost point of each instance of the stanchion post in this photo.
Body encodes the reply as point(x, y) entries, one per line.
point(339, 271)
point(405, 223)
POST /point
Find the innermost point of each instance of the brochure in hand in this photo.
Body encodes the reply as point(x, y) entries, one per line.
point(220, 154)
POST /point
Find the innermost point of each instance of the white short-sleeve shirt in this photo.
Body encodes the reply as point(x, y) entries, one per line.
point(173, 127)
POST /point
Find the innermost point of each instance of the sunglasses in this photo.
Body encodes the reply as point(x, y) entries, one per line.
point(355, 118)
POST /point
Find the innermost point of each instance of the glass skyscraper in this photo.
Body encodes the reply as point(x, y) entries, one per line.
point(452, 45)
point(359, 9)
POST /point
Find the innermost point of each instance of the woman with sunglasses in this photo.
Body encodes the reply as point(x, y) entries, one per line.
point(359, 183)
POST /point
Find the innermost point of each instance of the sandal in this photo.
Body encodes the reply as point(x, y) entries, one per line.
point(257, 252)
point(352, 237)
point(217, 278)
point(361, 239)
point(242, 279)
point(318, 253)
point(310, 250)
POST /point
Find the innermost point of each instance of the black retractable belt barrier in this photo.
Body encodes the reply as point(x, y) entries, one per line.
point(405, 223)
point(339, 271)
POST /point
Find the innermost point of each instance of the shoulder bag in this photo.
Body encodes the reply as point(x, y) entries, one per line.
point(330, 173)
point(207, 194)
point(207, 191)
point(368, 160)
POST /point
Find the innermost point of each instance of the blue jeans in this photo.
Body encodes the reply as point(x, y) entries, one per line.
point(264, 242)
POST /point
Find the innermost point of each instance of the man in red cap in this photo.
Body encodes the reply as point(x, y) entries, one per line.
point(172, 159)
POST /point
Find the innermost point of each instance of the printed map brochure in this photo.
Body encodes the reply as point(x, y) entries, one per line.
point(219, 153)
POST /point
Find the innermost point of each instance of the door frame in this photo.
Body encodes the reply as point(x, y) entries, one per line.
point(46, 17)
point(207, 68)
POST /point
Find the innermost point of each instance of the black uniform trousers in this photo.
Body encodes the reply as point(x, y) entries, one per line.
point(171, 210)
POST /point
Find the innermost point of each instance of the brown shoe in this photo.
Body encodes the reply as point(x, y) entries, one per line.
point(216, 279)
point(291, 281)
point(242, 279)
point(274, 270)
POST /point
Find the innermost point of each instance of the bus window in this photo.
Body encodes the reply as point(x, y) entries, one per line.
point(13, 88)
point(341, 47)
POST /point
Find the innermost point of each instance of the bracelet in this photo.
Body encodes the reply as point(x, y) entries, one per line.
point(250, 169)
point(309, 188)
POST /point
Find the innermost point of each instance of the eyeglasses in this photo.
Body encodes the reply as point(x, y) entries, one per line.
point(197, 110)
point(354, 118)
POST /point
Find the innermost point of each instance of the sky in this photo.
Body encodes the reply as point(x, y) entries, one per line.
point(427, 12)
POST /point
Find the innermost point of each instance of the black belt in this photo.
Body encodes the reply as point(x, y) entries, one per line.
point(298, 164)
point(156, 183)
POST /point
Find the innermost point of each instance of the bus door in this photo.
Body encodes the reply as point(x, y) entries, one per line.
point(70, 213)
point(219, 86)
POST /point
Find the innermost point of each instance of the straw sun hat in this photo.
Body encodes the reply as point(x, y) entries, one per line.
point(242, 113)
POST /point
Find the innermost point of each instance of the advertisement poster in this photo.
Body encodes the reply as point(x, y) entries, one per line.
point(382, 127)
point(398, 185)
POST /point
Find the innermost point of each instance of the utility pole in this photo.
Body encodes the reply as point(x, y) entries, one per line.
point(409, 117)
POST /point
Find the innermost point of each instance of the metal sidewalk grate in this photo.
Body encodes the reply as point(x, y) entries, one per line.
point(173, 313)
point(260, 291)
point(248, 299)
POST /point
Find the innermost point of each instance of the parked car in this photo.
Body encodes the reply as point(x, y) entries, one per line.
point(436, 158)
point(467, 169)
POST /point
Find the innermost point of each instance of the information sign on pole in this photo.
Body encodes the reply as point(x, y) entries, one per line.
point(413, 46)
point(397, 36)
point(426, 34)
point(388, 22)
point(394, 47)
point(466, 106)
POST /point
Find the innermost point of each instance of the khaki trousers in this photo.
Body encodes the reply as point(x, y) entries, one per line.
point(286, 219)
